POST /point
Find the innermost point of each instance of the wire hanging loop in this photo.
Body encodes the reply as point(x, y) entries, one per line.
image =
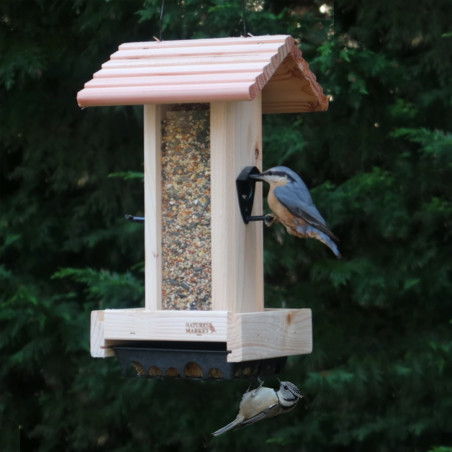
point(162, 8)
point(245, 33)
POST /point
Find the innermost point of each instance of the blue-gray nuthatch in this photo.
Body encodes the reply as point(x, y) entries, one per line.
point(292, 205)
point(262, 403)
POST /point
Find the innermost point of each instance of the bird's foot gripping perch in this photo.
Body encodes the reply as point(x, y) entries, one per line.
point(261, 383)
point(269, 219)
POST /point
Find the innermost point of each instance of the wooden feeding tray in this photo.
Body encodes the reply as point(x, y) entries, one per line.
point(204, 298)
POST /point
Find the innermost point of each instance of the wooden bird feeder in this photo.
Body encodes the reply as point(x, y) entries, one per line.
point(204, 314)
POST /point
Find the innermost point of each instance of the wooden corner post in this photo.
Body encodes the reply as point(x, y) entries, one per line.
point(152, 207)
point(237, 256)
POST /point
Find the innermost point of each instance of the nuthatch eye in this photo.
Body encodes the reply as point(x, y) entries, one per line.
point(262, 403)
point(292, 205)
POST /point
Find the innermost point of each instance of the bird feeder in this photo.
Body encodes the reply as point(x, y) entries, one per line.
point(204, 314)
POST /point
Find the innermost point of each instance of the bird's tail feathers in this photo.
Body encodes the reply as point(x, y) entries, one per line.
point(224, 429)
point(333, 247)
point(309, 231)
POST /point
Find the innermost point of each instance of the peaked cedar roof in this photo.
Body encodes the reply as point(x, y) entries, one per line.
point(207, 70)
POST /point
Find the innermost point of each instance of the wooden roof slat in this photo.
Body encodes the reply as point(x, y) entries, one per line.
point(117, 82)
point(212, 70)
point(206, 42)
point(162, 94)
point(184, 61)
point(176, 52)
point(151, 72)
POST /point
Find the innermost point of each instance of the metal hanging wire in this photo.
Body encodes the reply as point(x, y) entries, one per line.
point(162, 9)
point(162, 12)
point(245, 33)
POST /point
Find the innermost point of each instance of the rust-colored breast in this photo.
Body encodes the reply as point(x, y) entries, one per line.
point(281, 212)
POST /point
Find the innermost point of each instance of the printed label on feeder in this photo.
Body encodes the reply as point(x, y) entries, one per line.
point(199, 328)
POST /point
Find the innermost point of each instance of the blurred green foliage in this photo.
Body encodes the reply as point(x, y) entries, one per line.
point(379, 166)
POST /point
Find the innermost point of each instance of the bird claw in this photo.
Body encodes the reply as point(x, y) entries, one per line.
point(269, 219)
point(261, 383)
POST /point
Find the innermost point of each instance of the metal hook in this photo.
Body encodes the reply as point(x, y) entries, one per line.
point(134, 219)
point(245, 192)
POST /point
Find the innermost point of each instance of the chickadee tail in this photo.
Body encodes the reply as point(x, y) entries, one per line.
point(230, 426)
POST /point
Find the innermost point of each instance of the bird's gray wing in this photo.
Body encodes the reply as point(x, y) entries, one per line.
point(299, 202)
point(271, 411)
